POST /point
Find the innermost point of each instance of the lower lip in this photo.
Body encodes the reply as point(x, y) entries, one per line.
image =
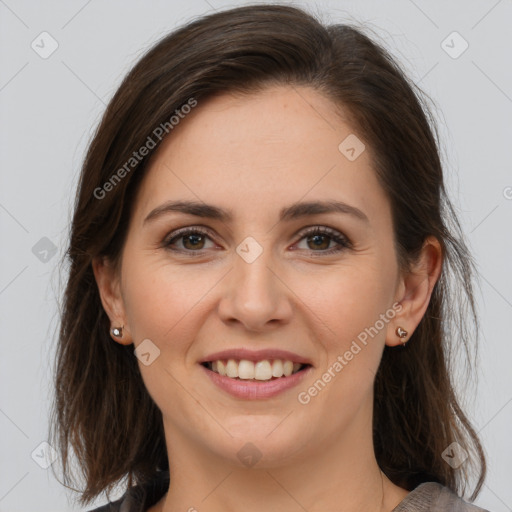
point(253, 389)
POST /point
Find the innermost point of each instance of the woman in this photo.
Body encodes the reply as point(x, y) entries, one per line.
point(258, 310)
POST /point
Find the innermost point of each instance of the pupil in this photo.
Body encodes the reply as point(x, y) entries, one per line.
point(194, 239)
point(318, 239)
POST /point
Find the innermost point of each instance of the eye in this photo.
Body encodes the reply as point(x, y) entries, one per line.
point(188, 240)
point(319, 239)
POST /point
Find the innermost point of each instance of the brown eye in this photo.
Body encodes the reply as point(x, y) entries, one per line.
point(319, 240)
point(188, 240)
point(193, 241)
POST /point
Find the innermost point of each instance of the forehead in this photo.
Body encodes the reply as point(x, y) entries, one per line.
point(272, 147)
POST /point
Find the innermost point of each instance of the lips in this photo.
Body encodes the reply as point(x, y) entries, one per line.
point(255, 374)
point(261, 365)
point(256, 389)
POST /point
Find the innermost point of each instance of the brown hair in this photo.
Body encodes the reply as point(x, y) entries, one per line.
point(102, 411)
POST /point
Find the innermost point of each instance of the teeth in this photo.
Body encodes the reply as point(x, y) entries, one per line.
point(245, 369)
point(277, 368)
point(221, 367)
point(261, 370)
point(232, 369)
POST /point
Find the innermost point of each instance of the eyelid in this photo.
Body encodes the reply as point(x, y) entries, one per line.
point(185, 230)
point(320, 228)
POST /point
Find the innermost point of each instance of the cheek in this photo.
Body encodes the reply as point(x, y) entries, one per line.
point(349, 306)
point(159, 296)
point(346, 300)
point(163, 304)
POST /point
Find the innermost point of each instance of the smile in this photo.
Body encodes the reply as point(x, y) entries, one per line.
point(264, 370)
point(257, 380)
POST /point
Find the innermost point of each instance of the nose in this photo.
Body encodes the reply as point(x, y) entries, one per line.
point(255, 296)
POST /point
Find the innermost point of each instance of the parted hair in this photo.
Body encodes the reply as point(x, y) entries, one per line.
point(102, 414)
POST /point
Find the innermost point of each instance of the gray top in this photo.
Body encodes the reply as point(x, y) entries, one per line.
point(434, 497)
point(427, 497)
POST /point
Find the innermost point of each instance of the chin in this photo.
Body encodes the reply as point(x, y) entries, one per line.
point(260, 444)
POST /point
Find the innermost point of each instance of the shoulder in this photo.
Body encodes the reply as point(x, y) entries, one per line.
point(114, 506)
point(126, 503)
point(139, 497)
point(434, 497)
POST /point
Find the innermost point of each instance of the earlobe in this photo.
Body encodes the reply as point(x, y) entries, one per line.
point(120, 335)
point(415, 291)
point(108, 284)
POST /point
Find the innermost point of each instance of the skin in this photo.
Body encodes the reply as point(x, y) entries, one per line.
point(254, 155)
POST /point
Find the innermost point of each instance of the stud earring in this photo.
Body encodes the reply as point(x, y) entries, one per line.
point(402, 334)
point(117, 332)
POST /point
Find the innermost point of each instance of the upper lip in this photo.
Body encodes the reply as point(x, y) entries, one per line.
point(256, 355)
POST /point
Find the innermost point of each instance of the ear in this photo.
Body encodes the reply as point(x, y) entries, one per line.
point(415, 289)
point(108, 281)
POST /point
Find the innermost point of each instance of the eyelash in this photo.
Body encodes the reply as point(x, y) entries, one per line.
point(342, 241)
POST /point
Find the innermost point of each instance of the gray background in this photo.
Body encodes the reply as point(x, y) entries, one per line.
point(50, 106)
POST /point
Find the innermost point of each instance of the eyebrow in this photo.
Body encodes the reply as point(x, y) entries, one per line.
point(292, 212)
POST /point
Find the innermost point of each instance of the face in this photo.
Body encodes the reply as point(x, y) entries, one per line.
point(255, 274)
